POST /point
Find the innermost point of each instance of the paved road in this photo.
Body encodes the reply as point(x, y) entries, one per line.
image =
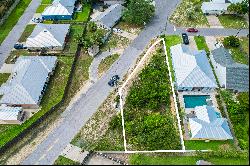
point(75, 118)
point(15, 34)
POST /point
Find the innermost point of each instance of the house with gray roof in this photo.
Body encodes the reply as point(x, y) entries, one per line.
point(231, 75)
point(207, 124)
point(28, 81)
point(50, 37)
point(59, 10)
point(109, 17)
point(191, 69)
point(11, 115)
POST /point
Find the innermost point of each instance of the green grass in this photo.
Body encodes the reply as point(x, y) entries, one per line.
point(4, 77)
point(180, 16)
point(201, 43)
point(202, 145)
point(26, 33)
point(65, 161)
point(53, 95)
point(171, 41)
point(46, 1)
point(114, 41)
point(41, 8)
point(13, 18)
point(84, 15)
point(233, 21)
point(140, 159)
point(106, 63)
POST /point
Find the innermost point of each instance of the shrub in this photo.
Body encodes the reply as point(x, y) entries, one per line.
point(231, 41)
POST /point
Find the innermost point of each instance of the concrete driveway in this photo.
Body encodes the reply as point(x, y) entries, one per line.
point(214, 21)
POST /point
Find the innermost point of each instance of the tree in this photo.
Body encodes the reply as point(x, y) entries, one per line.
point(231, 41)
point(139, 12)
point(239, 8)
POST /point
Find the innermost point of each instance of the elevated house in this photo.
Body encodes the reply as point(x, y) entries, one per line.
point(191, 69)
point(59, 10)
point(28, 81)
point(207, 124)
point(231, 75)
point(49, 37)
point(109, 18)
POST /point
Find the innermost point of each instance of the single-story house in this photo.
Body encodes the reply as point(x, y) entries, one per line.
point(231, 75)
point(109, 17)
point(191, 69)
point(50, 37)
point(59, 10)
point(214, 7)
point(11, 115)
point(207, 124)
point(28, 81)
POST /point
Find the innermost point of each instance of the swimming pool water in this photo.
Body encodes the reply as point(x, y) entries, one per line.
point(191, 101)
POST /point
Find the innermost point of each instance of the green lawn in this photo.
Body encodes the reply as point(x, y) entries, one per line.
point(26, 33)
point(232, 21)
point(201, 43)
point(106, 63)
point(46, 1)
point(84, 15)
point(4, 77)
point(53, 95)
point(202, 145)
point(41, 8)
point(65, 161)
point(140, 159)
point(13, 18)
point(182, 18)
point(171, 41)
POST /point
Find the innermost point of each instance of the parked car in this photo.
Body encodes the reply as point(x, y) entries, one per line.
point(113, 81)
point(192, 30)
point(185, 38)
point(19, 46)
point(37, 20)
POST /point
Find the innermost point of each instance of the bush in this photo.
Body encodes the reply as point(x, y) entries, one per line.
point(231, 41)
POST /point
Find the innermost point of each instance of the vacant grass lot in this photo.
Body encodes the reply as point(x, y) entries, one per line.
point(53, 95)
point(189, 14)
point(106, 63)
point(141, 159)
point(115, 41)
point(84, 14)
point(26, 33)
point(13, 18)
point(4, 77)
point(65, 161)
point(232, 21)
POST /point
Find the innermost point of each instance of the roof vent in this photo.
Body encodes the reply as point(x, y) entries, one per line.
point(45, 31)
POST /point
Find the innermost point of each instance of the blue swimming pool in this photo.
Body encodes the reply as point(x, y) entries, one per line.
point(191, 101)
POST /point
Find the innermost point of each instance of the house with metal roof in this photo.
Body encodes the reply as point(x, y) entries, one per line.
point(59, 10)
point(192, 70)
point(214, 7)
point(28, 81)
point(231, 75)
point(109, 17)
point(11, 115)
point(207, 124)
point(50, 37)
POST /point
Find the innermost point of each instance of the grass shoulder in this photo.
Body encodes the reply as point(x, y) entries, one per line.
point(61, 160)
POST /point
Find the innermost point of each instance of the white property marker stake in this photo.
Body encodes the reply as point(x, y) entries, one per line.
point(174, 28)
point(175, 103)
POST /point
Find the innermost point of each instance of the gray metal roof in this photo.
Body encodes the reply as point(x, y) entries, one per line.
point(9, 113)
point(207, 124)
point(110, 16)
point(48, 35)
point(27, 80)
point(191, 67)
point(60, 7)
point(211, 6)
point(237, 75)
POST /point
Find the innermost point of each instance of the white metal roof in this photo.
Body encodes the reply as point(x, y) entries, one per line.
point(27, 80)
point(207, 124)
point(192, 68)
point(58, 9)
point(9, 113)
point(211, 6)
point(48, 35)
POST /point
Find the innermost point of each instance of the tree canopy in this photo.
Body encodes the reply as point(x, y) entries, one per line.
point(139, 12)
point(239, 8)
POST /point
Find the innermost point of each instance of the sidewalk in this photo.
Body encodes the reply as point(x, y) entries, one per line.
point(16, 32)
